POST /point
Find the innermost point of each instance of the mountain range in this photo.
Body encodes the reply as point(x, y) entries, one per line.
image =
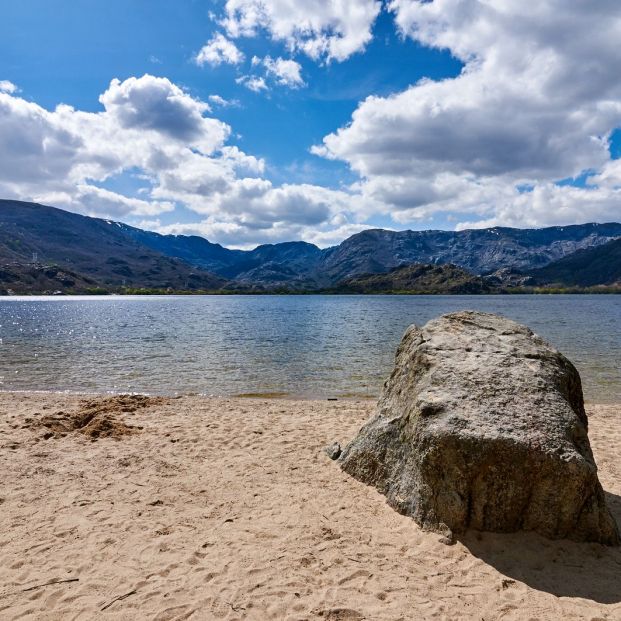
point(102, 254)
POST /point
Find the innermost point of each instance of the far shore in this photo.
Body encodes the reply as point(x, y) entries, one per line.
point(228, 508)
point(599, 290)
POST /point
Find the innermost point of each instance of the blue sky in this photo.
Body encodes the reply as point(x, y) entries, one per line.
point(400, 137)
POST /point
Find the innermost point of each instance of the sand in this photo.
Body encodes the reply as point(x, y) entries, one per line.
point(202, 508)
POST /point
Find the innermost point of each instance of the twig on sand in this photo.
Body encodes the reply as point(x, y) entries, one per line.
point(38, 586)
point(119, 598)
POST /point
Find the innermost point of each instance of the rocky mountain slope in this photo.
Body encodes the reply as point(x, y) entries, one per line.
point(478, 250)
point(95, 251)
point(586, 268)
point(20, 278)
point(112, 254)
point(418, 278)
point(378, 251)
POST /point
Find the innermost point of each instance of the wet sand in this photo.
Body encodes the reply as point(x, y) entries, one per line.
point(203, 508)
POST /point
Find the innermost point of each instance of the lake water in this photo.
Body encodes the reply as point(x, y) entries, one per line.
point(309, 346)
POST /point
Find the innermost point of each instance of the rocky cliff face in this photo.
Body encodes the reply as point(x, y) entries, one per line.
point(482, 425)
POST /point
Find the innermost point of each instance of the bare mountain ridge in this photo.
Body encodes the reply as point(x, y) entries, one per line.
point(112, 253)
point(378, 251)
point(480, 251)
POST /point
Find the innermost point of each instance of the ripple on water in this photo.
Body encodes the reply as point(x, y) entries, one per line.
point(313, 346)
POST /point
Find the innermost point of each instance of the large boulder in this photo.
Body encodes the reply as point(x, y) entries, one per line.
point(482, 425)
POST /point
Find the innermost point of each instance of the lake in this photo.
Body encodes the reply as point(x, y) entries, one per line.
point(308, 346)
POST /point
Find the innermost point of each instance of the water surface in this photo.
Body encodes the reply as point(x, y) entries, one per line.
point(309, 346)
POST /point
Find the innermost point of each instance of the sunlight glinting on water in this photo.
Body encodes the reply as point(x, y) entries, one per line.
point(308, 346)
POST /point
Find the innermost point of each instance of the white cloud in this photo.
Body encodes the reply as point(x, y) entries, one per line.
point(95, 200)
point(549, 205)
point(158, 133)
point(219, 50)
point(148, 124)
point(156, 104)
point(535, 102)
point(223, 103)
point(7, 87)
point(282, 71)
point(237, 234)
point(254, 83)
point(286, 72)
point(322, 29)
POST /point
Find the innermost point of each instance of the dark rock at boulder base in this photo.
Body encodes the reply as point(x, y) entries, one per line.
point(333, 451)
point(482, 425)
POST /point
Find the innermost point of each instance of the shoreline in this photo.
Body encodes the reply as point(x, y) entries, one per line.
point(266, 396)
point(270, 396)
point(228, 508)
point(598, 290)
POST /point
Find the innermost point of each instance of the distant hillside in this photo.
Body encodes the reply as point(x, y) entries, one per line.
point(18, 278)
point(478, 250)
point(294, 259)
point(113, 254)
point(418, 278)
point(97, 250)
point(376, 251)
point(585, 268)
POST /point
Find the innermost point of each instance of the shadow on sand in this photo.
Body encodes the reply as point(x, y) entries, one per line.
point(562, 568)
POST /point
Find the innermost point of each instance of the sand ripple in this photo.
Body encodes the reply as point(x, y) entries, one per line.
point(229, 509)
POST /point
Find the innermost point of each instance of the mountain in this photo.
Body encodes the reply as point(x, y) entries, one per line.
point(192, 249)
point(585, 268)
point(95, 251)
point(478, 250)
point(376, 251)
point(112, 254)
point(418, 278)
point(19, 278)
point(292, 258)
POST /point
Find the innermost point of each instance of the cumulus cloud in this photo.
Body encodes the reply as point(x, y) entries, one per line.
point(237, 234)
point(151, 103)
point(251, 211)
point(219, 50)
point(286, 72)
point(7, 87)
point(322, 29)
point(158, 133)
point(535, 102)
point(281, 71)
point(147, 124)
point(549, 204)
point(252, 82)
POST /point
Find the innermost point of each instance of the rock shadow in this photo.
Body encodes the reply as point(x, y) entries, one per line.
point(562, 568)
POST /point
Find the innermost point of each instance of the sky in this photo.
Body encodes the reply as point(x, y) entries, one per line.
point(261, 121)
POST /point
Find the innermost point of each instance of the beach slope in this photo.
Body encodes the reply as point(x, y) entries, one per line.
point(202, 508)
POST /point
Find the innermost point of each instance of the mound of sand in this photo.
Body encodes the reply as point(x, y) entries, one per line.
point(96, 418)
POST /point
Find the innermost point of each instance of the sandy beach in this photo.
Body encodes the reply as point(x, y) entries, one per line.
point(204, 508)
